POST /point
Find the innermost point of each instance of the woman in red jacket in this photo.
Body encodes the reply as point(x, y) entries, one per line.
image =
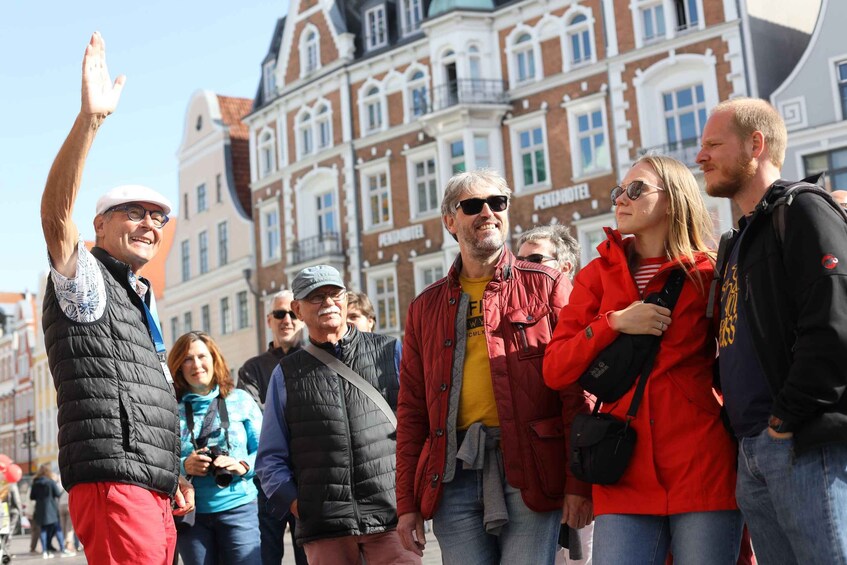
point(678, 493)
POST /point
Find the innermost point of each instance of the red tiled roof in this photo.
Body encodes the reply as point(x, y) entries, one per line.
point(11, 297)
point(232, 110)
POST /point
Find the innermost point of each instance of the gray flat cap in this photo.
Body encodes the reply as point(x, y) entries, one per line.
point(311, 278)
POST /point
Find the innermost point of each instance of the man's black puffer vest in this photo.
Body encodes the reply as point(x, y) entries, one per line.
point(117, 413)
point(342, 446)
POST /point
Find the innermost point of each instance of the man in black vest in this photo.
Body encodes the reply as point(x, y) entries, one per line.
point(118, 424)
point(327, 450)
point(253, 377)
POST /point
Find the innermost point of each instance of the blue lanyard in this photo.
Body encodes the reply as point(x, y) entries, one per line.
point(153, 325)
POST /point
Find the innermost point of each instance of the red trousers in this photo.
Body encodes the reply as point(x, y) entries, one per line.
point(121, 524)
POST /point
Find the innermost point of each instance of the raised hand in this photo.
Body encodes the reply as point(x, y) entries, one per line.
point(99, 95)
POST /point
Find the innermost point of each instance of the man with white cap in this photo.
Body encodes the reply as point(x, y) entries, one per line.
point(327, 446)
point(118, 423)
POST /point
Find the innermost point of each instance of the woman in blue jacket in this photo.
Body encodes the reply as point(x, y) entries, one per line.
point(219, 427)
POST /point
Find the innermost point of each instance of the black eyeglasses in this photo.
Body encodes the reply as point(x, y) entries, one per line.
point(337, 296)
point(633, 190)
point(281, 314)
point(473, 206)
point(136, 213)
point(536, 258)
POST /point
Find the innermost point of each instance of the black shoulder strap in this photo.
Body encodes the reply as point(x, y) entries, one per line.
point(208, 420)
point(780, 205)
point(724, 249)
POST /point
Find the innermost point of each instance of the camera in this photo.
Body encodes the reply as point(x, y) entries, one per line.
point(223, 477)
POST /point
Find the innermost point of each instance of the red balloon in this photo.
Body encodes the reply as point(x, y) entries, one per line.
point(3, 467)
point(13, 473)
point(5, 459)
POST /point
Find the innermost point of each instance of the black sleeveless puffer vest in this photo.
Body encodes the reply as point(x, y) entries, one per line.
point(117, 412)
point(342, 446)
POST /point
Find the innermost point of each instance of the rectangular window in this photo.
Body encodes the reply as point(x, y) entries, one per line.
point(186, 260)
point(323, 131)
point(205, 319)
point(591, 142)
point(243, 318)
point(653, 20)
point(185, 205)
point(431, 274)
point(457, 157)
point(412, 15)
point(379, 201)
point(374, 115)
point(226, 316)
point(269, 79)
point(174, 329)
point(218, 187)
point(686, 14)
point(203, 243)
point(419, 100)
point(270, 225)
point(426, 186)
point(481, 151)
point(533, 162)
point(580, 46)
point(833, 163)
point(385, 303)
point(186, 322)
point(377, 32)
point(326, 214)
point(842, 87)
point(201, 198)
point(685, 116)
point(526, 65)
point(223, 244)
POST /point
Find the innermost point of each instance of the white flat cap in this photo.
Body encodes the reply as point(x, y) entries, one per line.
point(132, 193)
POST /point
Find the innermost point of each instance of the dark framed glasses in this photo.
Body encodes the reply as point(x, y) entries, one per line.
point(633, 190)
point(536, 258)
point(136, 213)
point(473, 206)
point(320, 298)
point(281, 314)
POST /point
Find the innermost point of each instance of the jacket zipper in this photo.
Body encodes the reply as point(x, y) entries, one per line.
point(524, 342)
point(350, 461)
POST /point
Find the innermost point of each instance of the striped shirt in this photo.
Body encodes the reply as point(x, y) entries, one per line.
point(648, 268)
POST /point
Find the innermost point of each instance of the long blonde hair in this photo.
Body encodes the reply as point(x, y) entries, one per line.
point(690, 226)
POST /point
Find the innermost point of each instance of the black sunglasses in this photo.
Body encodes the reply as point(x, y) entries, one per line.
point(473, 206)
point(281, 314)
point(536, 258)
point(136, 213)
point(633, 190)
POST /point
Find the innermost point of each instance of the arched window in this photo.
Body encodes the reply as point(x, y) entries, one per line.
point(310, 55)
point(417, 94)
point(304, 128)
point(579, 40)
point(524, 58)
point(323, 126)
point(474, 63)
point(267, 162)
point(372, 110)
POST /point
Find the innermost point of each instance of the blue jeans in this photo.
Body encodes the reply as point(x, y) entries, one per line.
point(528, 537)
point(47, 533)
point(707, 538)
point(272, 531)
point(795, 506)
point(231, 537)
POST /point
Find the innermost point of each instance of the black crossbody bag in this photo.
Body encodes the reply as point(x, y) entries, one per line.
point(601, 444)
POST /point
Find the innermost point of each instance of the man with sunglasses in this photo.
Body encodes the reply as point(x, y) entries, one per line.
point(118, 423)
point(254, 377)
point(552, 245)
point(481, 445)
point(327, 450)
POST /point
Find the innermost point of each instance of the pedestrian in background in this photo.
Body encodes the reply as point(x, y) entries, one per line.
point(360, 311)
point(45, 492)
point(219, 428)
point(678, 491)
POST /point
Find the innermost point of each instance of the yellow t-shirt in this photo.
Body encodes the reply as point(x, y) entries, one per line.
point(476, 401)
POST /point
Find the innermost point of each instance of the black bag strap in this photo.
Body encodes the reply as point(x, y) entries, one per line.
point(724, 249)
point(208, 422)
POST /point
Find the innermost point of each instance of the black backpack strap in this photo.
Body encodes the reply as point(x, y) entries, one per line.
point(724, 249)
point(779, 210)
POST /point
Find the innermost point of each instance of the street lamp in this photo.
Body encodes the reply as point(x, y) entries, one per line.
point(248, 273)
point(29, 440)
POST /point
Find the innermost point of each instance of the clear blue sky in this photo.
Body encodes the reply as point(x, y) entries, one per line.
point(167, 49)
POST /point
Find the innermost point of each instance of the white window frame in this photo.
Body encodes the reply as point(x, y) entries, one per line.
point(696, 108)
point(372, 94)
point(185, 259)
point(588, 248)
point(408, 10)
point(332, 211)
point(834, 63)
point(422, 155)
point(574, 109)
point(310, 50)
point(367, 172)
point(376, 38)
point(425, 263)
point(269, 82)
point(478, 163)
point(305, 141)
point(203, 252)
point(202, 201)
point(453, 160)
point(413, 85)
point(223, 243)
point(638, 9)
point(267, 152)
point(322, 118)
point(686, 4)
point(529, 49)
point(205, 319)
point(226, 315)
point(580, 29)
point(382, 301)
point(524, 123)
point(187, 322)
point(270, 256)
point(243, 309)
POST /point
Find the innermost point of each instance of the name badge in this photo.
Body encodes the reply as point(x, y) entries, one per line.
point(165, 369)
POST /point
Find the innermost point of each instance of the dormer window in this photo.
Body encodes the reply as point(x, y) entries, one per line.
point(269, 79)
point(411, 14)
point(652, 21)
point(376, 32)
point(310, 54)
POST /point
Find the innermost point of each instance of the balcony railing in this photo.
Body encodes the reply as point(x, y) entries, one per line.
point(469, 91)
point(309, 248)
point(685, 150)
